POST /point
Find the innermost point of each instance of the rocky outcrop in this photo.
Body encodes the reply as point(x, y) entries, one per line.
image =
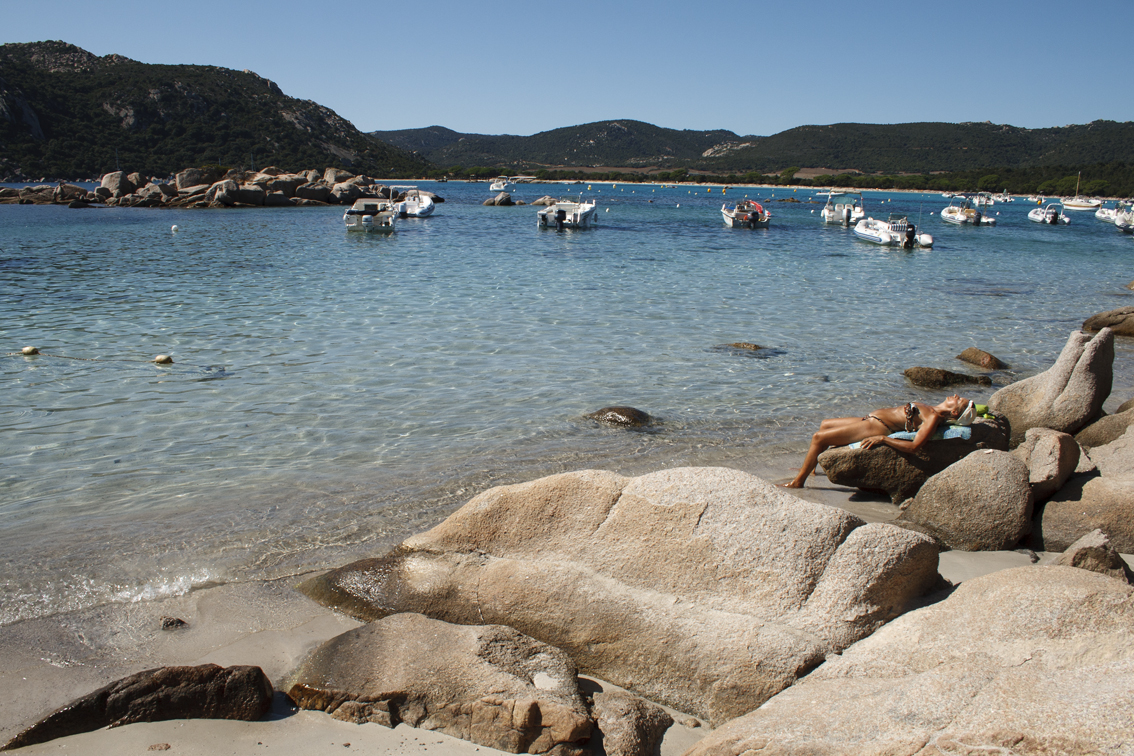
point(204, 692)
point(1051, 457)
point(118, 184)
point(1103, 500)
point(981, 358)
point(1120, 321)
point(504, 199)
point(706, 589)
point(1105, 429)
point(1094, 552)
point(1032, 660)
point(936, 378)
point(901, 474)
point(630, 726)
point(488, 684)
point(1066, 396)
point(980, 503)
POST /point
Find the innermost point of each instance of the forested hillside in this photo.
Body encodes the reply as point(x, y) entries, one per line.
point(67, 113)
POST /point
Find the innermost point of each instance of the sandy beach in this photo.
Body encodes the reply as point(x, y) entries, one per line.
point(48, 662)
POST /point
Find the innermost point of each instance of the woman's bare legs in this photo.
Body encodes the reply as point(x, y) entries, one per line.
point(838, 431)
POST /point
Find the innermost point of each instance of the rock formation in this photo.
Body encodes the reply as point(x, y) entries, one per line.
point(706, 589)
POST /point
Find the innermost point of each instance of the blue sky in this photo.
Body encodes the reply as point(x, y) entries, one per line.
point(504, 67)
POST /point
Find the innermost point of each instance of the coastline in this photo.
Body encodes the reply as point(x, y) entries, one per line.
point(50, 661)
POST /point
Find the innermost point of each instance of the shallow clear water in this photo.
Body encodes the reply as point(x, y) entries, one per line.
point(333, 392)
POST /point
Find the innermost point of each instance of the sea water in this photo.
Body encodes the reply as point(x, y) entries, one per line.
point(333, 392)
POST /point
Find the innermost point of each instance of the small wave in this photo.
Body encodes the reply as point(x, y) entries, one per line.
point(178, 585)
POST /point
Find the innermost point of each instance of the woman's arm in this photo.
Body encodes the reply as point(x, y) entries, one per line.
point(929, 423)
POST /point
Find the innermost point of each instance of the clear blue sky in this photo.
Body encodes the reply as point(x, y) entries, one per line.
point(502, 67)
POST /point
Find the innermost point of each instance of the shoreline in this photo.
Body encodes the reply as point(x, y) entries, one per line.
point(50, 661)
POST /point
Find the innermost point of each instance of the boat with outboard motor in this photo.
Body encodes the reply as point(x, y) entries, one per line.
point(1109, 214)
point(1124, 220)
point(1051, 214)
point(413, 203)
point(567, 213)
point(746, 214)
point(983, 199)
point(502, 184)
point(962, 211)
point(844, 208)
point(370, 214)
point(896, 230)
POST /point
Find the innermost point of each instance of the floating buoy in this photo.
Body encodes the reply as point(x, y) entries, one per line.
point(679, 204)
point(163, 359)
point(174, 229)
point(608, 209)
point(29, 350)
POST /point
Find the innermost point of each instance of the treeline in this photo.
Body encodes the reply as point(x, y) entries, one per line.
point(1097, 180)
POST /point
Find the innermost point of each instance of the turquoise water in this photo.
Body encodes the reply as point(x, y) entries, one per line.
point(334, 392)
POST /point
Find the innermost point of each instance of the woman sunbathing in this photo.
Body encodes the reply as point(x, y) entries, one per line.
point(874, 429)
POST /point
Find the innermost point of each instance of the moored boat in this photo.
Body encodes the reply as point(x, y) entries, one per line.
point(567, 213)
point(896, 230)
point(961, 211)
point(843, 207)
point(414, 203)
point(746, 214)
point(1081, 203)
point(983, 199)
point(1124, 220)
point(502, 184)
point(371, 214)
point(1110, 214)
point(1051, 214)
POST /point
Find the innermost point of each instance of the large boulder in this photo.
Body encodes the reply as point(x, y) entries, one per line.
point(1106, 429)
point(189, 177)
point(118, 184)
point(345, 193)
point(1094, 552)
point(901, 474)
point(488, 684)
point(706, 589)
point(981, 358)
point(1051, 457)
point(222, 192)
point(980, 503)
point(630, 726)
point(248, 194)
point(313, 191)
point(1066, 396)
point(1031, 660)
point(1121, 321)
point(503, 199)
point(333, 176)
point(203, 692)
point(1085, 503)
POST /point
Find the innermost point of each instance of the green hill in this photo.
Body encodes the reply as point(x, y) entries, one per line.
point(624, 143)
point(66, 113)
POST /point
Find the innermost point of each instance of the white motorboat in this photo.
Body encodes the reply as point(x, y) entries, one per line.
point(1081, 203)
point(370, 215)
point(896, 230)
point(567, 213)
point(1036, 199)
point(983, 199)
point(413, 203)
point(961, 211)
point(1124, 221)
point(1051, 214)
point(746, 214)
point(1109, 214)
point(1004, 196)
point(502, 184)
point(843, 207)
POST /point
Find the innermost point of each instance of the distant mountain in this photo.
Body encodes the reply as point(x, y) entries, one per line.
point(870, 148)
point(66, 113)
point(623, 143)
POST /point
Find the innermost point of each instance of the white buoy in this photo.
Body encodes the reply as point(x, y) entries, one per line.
point(174, 229)
point(29, 350)
point(163, 359)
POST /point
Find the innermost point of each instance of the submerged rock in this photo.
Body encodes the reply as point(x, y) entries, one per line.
point(625, 416)
point(981, 358)
point(936, 378)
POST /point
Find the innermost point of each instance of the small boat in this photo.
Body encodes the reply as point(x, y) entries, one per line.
point(1004, 196)
point(983, 199)
point(413, 203)
point(1081, 203)
point(502, 184)
point(370, 215)
point(1036, 199)
point(1109, 214)
point(567, 213)
point(896, 230)
point(843, 207)
point(961, 211)
point(1124, 220)
point(746, 214)
point(1051, 213)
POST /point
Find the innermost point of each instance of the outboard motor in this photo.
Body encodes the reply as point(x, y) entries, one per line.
point(911, 236)
point(1054, 215)
point(977, 218)
point(846, 215)
point(560, 218)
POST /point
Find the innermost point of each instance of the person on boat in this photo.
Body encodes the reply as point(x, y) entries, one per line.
point(874, 429)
